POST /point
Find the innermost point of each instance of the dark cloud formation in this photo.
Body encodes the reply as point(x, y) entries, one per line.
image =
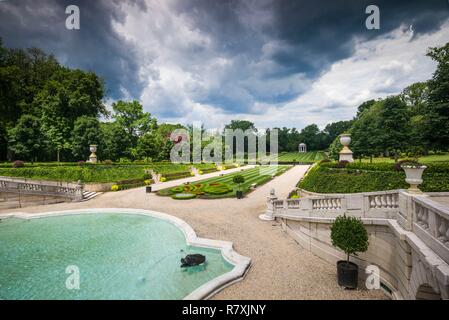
point(271, 44)
point(96, 47)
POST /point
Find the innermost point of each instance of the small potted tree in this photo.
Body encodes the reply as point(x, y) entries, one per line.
point(349, 234)
point(148, 183)
point(239, 179)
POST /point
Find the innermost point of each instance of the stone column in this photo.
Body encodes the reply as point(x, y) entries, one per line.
point(269, 213)
point(345, 153)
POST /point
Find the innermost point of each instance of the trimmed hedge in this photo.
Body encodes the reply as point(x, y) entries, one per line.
point(367, 177)
point(87, 174)
point(176, 175)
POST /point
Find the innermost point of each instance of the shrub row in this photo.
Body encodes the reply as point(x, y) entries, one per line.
point(87, 174)
point(176, 175)
point(326, 178)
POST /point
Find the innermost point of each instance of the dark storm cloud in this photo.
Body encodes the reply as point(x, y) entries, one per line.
point(316, 33)
point(95, 47)
point(320, 33)
point(266, 42)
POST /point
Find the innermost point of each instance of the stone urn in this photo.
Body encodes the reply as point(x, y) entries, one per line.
point(93, 156)
point(413, 176)
point(345, 153)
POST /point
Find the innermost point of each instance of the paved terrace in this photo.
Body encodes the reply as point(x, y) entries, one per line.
point(281, 269)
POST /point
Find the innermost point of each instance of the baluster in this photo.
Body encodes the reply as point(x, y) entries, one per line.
point(390, 200)
point(442, 230)
point(378, 202)
point(425, 218)
point(447, 235)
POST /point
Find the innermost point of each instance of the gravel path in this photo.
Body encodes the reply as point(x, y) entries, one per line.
point(281, 269)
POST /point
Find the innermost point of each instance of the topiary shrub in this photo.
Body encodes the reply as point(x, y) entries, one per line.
point(238, 179)
point(163, 179)
point(18, 164)
point(115, 188)
point(349, 234)
point(108, 162)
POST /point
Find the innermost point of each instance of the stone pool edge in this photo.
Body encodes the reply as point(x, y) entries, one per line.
point(207, 290)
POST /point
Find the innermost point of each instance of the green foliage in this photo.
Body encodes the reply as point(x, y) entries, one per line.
point(219, 184)
point(335, 148)
point(349, 234)
point(367, 177)
point(25, 139)
point(217, 188)
point(238, 179)
point(86, 131)
point(436, 120)
point(86, 173)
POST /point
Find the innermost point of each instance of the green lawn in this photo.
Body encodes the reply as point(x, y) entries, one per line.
point(258, 175)
point(312, 156)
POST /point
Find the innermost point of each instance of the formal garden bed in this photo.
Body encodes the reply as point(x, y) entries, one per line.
point(332, 177)
point(224, 186)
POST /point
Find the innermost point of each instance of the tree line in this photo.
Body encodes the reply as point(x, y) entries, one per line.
point(49, 112)
point(415, 122)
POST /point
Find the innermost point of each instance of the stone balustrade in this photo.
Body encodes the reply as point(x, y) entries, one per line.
point(44, 188)
point(409, 235)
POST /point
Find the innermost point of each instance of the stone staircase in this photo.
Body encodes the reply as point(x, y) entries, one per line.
point(87, 195)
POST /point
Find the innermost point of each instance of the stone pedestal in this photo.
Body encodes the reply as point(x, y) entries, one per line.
point(269, 213)
point(345, 153)
point(93, 156)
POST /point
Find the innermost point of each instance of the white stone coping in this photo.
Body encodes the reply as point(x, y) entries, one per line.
point(241, 263)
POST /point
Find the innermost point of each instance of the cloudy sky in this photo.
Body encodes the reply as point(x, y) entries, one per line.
point(275, 62)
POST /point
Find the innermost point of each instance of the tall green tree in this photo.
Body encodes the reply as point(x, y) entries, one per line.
point(394, 120)
point(26, 139)
point(86, 131)
point(437, 110)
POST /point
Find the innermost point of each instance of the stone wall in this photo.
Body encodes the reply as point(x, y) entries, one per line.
point(408, 236)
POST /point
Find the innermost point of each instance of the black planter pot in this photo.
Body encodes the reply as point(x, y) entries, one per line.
point(347, 274)
point(239, 194)
point(148, 189)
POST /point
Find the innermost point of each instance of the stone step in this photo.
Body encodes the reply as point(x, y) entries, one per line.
point(87, 195)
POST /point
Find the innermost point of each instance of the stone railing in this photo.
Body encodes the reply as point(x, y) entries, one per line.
point(431, 225)
point(43, 188)
point(409, 234)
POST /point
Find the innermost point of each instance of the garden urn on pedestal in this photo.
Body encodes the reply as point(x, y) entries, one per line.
point(345, 153)
point(413, 176)
point(93, 156)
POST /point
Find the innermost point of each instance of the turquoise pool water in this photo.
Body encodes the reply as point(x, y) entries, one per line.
point(119, 256)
